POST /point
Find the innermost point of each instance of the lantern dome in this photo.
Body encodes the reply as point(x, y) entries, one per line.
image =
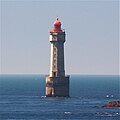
point(57, 22)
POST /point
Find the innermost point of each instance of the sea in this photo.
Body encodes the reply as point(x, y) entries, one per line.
point(22, 97)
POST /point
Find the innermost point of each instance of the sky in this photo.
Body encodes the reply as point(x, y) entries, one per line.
point(92, 35)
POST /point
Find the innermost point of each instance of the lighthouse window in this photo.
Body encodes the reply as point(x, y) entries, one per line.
point(54, 60)
point(54, 49)
point(54, 55)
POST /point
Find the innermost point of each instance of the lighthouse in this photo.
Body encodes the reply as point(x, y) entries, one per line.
point(57, 83)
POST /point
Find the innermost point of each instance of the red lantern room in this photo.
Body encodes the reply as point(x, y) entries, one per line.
point(57, 26)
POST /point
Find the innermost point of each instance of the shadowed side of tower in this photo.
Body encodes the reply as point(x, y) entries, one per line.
point(57, 84)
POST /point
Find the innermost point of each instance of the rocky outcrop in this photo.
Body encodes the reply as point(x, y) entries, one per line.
point(112, 104)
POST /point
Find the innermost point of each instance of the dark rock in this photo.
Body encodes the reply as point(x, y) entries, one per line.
point(112, 104)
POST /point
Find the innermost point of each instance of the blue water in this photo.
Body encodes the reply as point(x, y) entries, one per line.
point(22, 97)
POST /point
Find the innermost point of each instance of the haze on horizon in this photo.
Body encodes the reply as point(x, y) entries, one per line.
point(92, 36)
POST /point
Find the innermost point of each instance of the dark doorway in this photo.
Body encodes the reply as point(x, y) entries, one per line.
point(54, 74)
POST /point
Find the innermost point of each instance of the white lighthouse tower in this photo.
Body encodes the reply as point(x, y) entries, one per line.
point(57, 84)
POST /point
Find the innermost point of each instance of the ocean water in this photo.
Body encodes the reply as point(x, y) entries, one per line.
point(22, 97)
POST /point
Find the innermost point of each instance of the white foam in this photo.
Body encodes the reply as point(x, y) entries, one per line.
point(111, 95)
point(107, 96)
point(67, 112)
point(43, 96)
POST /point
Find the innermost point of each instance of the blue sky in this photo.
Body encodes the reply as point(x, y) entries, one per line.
point(92, 36)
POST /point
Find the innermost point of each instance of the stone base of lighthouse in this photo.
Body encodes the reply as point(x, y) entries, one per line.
point(57, 86)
